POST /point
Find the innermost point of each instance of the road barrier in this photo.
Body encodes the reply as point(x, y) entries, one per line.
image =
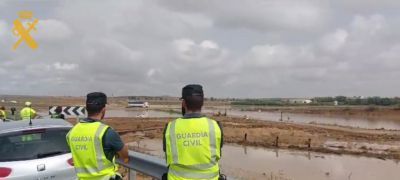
point(145, 164)
point(78, 111)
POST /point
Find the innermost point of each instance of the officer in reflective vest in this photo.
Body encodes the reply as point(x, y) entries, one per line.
point(192, 143)
point(3, 114)
point(94, 145)
point(27, 112)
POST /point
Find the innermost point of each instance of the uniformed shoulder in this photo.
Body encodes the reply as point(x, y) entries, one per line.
point(168, 123)
point(216, 122)
point(213, 120)
point(106, 128)
point(105, 125)
point(73, 128)
point(176, 119)
point(210, 119)
point(110, 131)
point(77, 124)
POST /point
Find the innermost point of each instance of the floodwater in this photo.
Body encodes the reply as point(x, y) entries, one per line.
point(370, 123)
point(144, 113)
point(243, 162)
point(138, 113)
point(361, 146)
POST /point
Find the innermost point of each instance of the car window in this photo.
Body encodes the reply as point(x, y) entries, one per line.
point(33, 144)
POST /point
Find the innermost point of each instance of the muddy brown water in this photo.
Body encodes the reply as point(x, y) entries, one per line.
point(130, 113)
point(367, 123)
point(138, 113)
point(243, 162)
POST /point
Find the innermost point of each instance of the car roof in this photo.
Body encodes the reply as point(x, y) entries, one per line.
point(13, 126)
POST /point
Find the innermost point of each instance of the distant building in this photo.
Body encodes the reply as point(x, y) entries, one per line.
point(300, 101)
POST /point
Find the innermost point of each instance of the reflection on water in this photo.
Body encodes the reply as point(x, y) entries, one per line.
point(260, 163)
point(370, 123)
point(306, 165)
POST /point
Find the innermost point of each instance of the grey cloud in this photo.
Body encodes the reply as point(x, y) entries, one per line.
point(302, 15)
point(52, 30)
point(234, 48)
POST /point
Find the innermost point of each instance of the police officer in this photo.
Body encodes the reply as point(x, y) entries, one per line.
point(27, 112)
point(58, 114)
point(13, 109)
point(3, 114)
point(94, 145)
point(192, 143)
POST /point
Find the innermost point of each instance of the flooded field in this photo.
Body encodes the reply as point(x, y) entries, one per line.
point(368, 123)
point(243, 162)
point(125, 112)
point(138, 113)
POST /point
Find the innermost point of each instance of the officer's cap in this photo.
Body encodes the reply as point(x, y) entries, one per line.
point(192, 90)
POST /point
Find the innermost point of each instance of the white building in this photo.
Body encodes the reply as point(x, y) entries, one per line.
point(300, 101)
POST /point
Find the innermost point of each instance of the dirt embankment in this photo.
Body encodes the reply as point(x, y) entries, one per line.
point(319, 138)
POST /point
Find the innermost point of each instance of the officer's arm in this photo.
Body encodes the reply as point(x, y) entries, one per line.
point(164, 140)
point(123, 154)
point(34, 113)
point(222, 133)
point(114, 141)
point(67, 137)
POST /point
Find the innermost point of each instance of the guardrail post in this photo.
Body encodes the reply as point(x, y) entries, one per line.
point(132, 174)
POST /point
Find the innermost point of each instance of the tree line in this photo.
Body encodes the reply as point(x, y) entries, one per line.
point(338, 100)
point(343, 100)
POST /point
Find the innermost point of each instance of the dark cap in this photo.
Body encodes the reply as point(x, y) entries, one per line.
point(96, 98)
point(192, 90)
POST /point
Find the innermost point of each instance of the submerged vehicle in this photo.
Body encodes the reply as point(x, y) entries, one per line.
point(134, 103)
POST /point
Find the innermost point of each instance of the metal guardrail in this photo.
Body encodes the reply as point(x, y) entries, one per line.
point(146, 164)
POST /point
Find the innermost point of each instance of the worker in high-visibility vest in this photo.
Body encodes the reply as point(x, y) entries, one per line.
point(27, 112)
point(94, 145)
point(3, 114)
point(193, 143)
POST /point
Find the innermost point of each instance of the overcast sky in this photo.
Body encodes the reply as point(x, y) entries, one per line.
point(234, 48)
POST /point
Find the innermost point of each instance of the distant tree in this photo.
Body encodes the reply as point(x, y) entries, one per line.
point(374, 100)
point(386, 102)
point(341, 98)
point(324, 99)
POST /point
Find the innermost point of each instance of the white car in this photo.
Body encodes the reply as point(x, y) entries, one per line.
point(35, 152)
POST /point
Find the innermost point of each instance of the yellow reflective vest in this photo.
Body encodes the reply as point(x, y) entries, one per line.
point(3, 114)
point(27, 113)
point(85, 142)
point(193, 148)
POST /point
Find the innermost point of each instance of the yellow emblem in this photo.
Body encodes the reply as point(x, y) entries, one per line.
point(21, 31)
